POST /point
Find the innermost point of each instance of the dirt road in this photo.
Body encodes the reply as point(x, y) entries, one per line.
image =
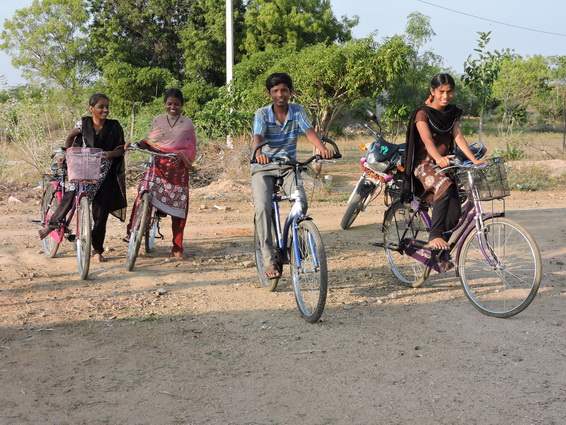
point(194, 342)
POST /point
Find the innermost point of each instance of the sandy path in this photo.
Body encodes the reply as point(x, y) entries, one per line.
point(213, 349)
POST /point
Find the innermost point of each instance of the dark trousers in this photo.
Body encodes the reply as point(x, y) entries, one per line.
point(445, 213)
point(99, 217)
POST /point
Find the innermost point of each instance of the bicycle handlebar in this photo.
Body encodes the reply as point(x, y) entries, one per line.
point(136, 147)
point(288, 161)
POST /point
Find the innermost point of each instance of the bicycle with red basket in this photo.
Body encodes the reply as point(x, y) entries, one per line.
point(76, 167)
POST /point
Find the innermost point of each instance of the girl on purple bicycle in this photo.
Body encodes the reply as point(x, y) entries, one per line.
point(433, 130)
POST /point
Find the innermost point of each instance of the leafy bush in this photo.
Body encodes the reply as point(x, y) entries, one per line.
point(512, 152)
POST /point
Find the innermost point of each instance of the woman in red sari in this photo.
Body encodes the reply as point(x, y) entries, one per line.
point(172, 133)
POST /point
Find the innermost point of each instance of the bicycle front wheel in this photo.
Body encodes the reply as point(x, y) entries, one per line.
point(49, 203)
point(309, 271)
point(401, 223)
point(137, 231)
point(84, 238)
point(357, 201)
point(500, 268)
point(151, 234)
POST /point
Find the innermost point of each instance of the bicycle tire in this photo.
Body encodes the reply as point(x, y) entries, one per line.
point(49, 204)
point(408, 271)
point(137, 231)
point(84, 238)
point(264, 282)
point(150, 235)
point(483, 292)
point(356, 203)
point(310, 299)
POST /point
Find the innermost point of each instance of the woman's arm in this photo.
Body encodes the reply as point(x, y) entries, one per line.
point(72, 136)
point(463, 144)
point(426, 137)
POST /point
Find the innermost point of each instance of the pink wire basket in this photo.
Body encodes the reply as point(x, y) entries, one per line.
point(83, 163)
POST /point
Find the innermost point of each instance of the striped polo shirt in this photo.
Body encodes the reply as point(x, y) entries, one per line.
point(281, 138)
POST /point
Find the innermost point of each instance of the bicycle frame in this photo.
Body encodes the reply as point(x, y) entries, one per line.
point(292, 221)
point(472, 218)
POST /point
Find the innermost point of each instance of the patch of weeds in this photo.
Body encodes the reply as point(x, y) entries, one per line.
point(530, 179)
point(512, 152)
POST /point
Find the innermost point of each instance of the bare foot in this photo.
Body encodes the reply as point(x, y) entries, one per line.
point(272, 271)
point(178, 255)
point(437, 243)
point(99, 258)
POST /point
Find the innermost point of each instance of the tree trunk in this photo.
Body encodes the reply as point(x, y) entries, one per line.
point(480, 130)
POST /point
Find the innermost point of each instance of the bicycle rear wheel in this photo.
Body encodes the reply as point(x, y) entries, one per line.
point(402, 223)
point(500, 268)
point(309, 271)
point(84, 238)
point(49, 203)
point(137, 231)
point(264, 282)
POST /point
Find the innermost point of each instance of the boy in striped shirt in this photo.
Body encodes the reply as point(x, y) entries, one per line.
point(279, 124)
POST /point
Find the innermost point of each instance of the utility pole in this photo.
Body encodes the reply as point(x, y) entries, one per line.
point(229, 55)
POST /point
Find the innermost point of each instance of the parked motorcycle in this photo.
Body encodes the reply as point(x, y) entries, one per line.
point(381, 167)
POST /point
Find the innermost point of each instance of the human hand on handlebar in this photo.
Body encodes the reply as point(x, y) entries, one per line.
point(261, 158)
point(325, 153)
point(444, 161)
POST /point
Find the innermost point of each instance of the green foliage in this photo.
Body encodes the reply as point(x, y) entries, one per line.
point(47, 40)
point(203, 43)
point(272, 24)
point(327, 78)
point(512, 152)
point(521, 85)
point(530, 179)
point(480, 73)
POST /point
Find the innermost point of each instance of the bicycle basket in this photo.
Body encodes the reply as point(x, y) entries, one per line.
point(83, 163)
point(490, 181)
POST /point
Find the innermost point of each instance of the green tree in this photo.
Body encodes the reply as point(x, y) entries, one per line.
point(293, 23)
point(328, 79)
point(136, 46)
point(48, 42)
point(480, 74)
point(521, 87)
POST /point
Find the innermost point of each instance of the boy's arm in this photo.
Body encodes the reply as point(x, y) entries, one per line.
point(259, 156)
point(317, 143)
point(463, 145)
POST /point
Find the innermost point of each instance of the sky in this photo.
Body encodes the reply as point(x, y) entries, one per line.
point(456, 34)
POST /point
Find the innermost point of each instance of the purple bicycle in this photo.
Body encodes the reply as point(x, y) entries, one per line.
point(497, 260)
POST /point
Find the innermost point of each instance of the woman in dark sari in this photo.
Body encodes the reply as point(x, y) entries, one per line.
point(108, 194)
point(433, 130)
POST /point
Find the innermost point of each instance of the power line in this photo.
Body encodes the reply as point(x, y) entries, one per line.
point(494, 21)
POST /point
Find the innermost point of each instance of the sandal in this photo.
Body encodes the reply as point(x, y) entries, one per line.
point(273, 271)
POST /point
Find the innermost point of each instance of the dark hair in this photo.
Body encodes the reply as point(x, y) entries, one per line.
point(440, 79)
point(96, 97)
point(279, 78)
point(176, 93)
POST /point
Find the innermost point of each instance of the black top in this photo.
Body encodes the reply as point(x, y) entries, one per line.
point(441, 124)
point(112, 192)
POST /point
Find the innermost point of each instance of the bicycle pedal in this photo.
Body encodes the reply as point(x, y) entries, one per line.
point(378, 244)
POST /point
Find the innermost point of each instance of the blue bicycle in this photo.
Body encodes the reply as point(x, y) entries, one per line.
point(299, 244)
